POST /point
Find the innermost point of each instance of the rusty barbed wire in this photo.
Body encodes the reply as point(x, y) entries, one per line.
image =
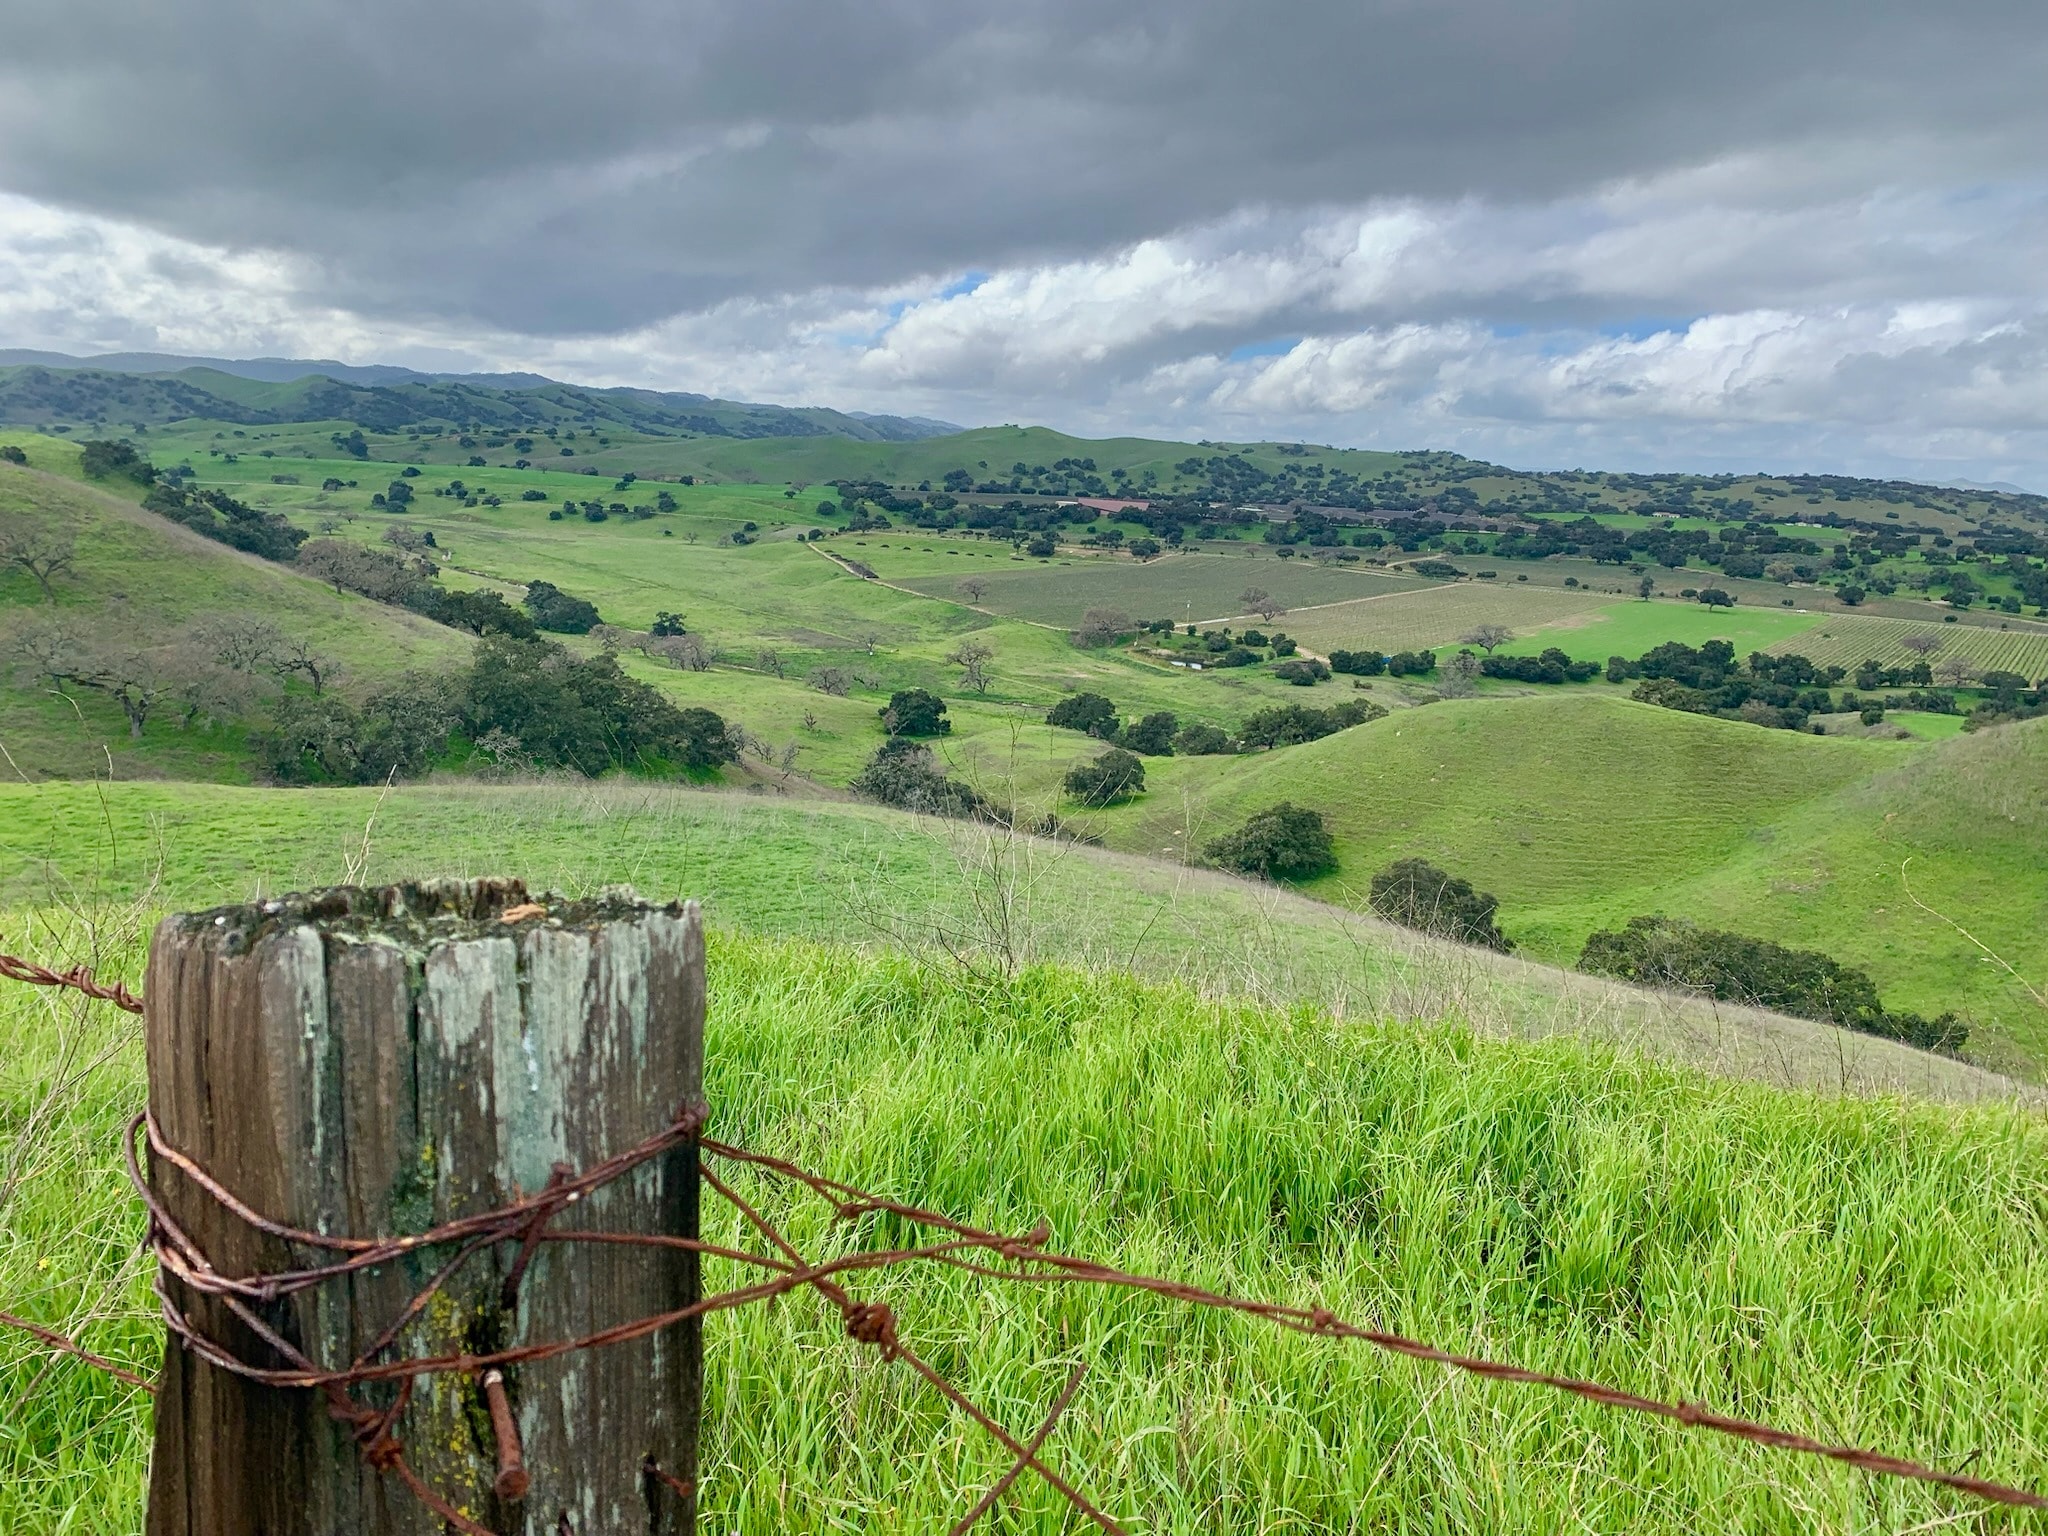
point(527, 1222)
point(79, 978)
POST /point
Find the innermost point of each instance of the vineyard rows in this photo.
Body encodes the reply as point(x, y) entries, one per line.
point(1847, 641)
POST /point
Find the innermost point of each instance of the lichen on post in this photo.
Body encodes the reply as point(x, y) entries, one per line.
point(379, 1062)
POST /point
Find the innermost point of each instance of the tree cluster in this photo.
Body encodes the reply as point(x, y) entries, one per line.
point(1734, 967)
point(1417, 894)
point(1288, 725)
point(1282, 842)
point(1113, 777)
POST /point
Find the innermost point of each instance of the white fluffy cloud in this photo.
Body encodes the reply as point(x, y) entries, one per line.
point(1719, 316)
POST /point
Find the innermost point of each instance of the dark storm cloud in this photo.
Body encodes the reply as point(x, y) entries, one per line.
point(545, 167)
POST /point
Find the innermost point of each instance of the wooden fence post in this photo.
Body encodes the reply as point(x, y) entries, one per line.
point(377, 1062)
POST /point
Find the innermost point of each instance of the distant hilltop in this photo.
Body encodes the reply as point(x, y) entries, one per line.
point(149, 388)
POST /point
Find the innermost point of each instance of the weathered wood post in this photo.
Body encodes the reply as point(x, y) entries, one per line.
point(378, 1062)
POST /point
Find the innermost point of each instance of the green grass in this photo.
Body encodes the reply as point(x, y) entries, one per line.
point(1854, 1270)
point(1629, 629)
point(1927, 727)
point(1580, 811)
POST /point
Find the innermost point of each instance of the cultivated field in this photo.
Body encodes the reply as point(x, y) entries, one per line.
point(1437, 615)
point(1186, 588)
point(1848, 641)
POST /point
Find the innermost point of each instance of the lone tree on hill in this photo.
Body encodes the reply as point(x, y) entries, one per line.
point(1955, 671)
point(972, 658)
point(1258, 600)
point(1416, 894)
point(1487, 636)
point(1114, 776)
point(1924, 644)
point(1102, 626)
point(44, 551)
point(973, 588)
point(1282, 842)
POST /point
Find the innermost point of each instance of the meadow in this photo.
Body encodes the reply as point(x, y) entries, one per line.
point(1262, 1089)
point(1559, 1203)
point(1629, 629)
point(1582, 810)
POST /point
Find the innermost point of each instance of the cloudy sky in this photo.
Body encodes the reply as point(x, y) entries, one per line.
point(1612, 233)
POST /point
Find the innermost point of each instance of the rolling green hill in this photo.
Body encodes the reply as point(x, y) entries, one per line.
point(1863, 1269)
point(140, 580)
point(36, 395)
point(1582, 811)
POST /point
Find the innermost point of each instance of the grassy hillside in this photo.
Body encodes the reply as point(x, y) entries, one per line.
point(96, 398)
point(143, 576)
point(1581, 811)
point(848, 872)
point(1858, 1270)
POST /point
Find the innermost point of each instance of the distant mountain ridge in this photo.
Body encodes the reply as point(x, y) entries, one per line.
point(153, 389)
point(265, 370)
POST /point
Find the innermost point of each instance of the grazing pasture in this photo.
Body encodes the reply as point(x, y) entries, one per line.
point(1631, 628)
point(1580, 809)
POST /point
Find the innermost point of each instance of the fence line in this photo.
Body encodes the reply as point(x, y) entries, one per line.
point(528, 1222)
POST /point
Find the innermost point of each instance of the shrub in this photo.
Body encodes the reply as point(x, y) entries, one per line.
point(1288, 725)
point(1283, 842)
point(905, 774)
point(1666, 952)
point(584, 714)
point(1416, 894)
point(218, 516)
point(1087, 712)
point(324, 739)
point(915, 712)
point(103, 460)
point(1301, 672)
point(1115, 775)
point(478, 611)
point(1152, 736)
point(1552, 666)
point(12, 454)
point(1411, 663)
